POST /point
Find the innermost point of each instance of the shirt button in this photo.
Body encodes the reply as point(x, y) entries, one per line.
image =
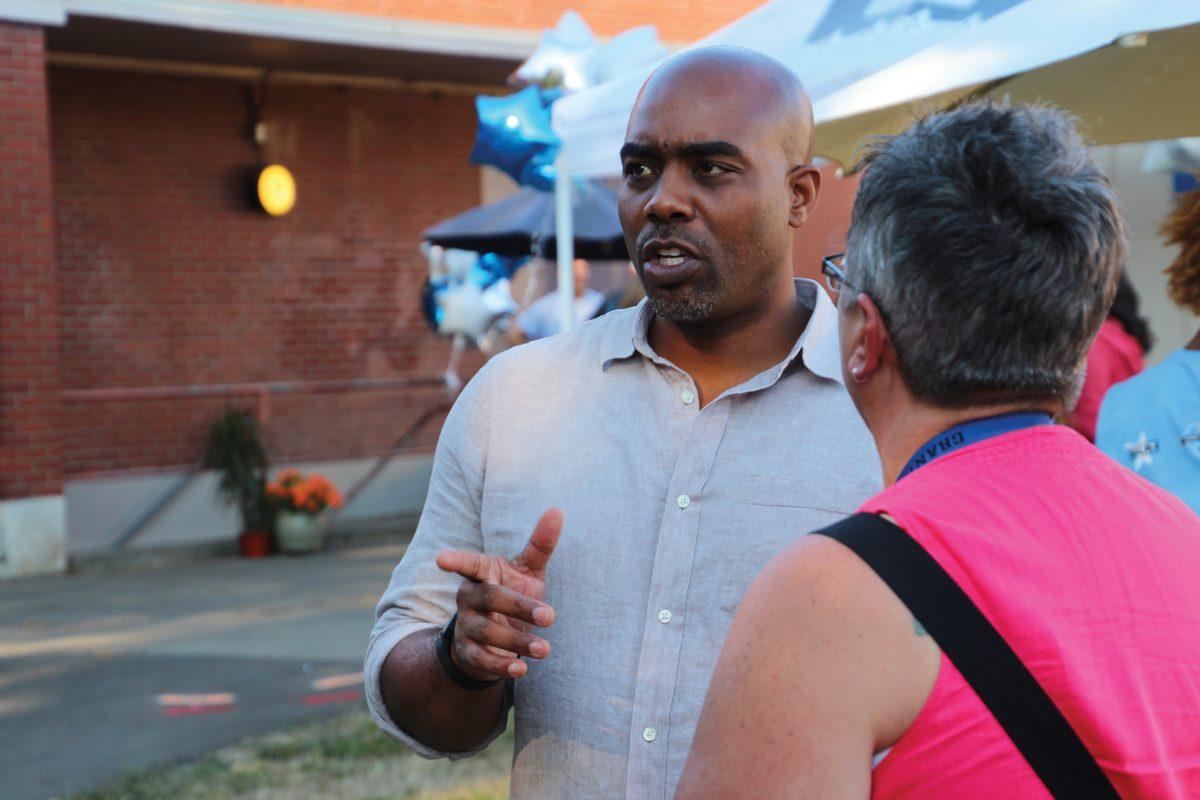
point(664, 616)
point(649, 734)
point(683, 500)
point(688, 397)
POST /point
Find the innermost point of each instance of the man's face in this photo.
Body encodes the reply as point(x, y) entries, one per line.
point(704, 198)
point(582, 273)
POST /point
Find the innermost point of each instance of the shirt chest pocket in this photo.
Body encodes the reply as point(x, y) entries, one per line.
point(507, 520)
point(765, 521)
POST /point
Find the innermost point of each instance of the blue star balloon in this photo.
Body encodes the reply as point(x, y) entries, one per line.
point(514, 131)
point(539, 172)
point(492, 267)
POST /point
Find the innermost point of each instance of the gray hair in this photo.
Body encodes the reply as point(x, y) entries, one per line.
point(992, 245)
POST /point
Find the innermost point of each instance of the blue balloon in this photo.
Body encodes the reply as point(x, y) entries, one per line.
point(514, 132)
point(539, 172)
point(488, 270)
point(431, 305)
point(492, 267)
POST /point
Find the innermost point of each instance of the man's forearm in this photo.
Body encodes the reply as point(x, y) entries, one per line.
point(426, 704)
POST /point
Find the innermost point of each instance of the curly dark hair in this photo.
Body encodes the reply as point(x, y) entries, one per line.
point(1182, 227)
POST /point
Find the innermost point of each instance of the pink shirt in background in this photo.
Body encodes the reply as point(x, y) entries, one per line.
point(1114, 356)
point(1091, 575)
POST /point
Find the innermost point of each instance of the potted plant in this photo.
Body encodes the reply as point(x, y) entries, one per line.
point(300, 503)
point(236, 452)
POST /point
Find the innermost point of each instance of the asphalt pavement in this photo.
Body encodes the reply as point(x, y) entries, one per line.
point(111, 671)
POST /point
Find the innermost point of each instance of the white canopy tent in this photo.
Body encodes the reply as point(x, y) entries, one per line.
point(1125, 67)
point(830, 43)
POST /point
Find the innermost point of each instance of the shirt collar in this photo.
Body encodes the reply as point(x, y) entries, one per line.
point(817, 345)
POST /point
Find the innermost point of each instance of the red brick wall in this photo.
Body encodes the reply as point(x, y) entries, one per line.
point(825, 232)
point(677, 20)
point(31, 443)
point(170, 279)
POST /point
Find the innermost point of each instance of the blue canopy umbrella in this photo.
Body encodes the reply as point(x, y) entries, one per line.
point(523, 224)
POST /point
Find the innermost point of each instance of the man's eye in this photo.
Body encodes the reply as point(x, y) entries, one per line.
point(708, 168)
point(636, 171)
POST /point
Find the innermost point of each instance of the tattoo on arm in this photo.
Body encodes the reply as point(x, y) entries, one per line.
point(918, 628)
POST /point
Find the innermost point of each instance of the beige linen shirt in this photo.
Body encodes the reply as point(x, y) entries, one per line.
point(670, 510)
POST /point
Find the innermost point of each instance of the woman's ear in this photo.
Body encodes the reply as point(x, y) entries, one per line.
point(804, 187)
point(868, 339)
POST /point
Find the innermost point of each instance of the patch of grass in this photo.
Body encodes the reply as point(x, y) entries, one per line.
point(346, 758)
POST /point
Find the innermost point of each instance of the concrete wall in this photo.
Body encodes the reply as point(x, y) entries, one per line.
point(99, 509)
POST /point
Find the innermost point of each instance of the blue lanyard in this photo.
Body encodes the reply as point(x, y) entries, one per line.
point(971, 432)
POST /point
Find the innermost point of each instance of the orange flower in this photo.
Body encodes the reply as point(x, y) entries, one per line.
point(310, 494)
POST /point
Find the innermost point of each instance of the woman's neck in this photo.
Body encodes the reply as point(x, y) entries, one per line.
point(910, 428)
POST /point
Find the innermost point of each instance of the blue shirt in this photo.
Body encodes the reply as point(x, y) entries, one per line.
point(1151, 424)
point(540, 319)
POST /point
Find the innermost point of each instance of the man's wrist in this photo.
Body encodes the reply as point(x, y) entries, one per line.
point(444, 646)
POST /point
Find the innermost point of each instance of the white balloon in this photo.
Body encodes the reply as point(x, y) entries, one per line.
point(469, 311)
point(561, 52)
point(465, 311)
point(569, 55)
point(458, 263)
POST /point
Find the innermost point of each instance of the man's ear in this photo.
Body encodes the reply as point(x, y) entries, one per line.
point(869, 340)
point(804, 187)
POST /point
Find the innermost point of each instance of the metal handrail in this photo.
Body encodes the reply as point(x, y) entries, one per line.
point(263, 390)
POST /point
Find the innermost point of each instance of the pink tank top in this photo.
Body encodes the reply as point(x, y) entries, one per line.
point(1092, 575)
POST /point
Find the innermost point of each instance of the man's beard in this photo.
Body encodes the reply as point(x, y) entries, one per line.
point(693, 304)
point(681, 309)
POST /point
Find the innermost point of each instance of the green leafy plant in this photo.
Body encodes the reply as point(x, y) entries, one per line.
point(236, 451)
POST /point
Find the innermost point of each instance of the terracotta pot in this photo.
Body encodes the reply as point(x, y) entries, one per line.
point(254, 544)
point(296, 532)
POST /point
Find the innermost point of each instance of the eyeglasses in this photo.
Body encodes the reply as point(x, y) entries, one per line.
point(835, 276)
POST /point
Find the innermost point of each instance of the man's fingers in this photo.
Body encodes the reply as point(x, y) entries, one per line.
point(543, 541)
point(480, 660)
point(470, 565)
point(485, 630)
point(491, 598)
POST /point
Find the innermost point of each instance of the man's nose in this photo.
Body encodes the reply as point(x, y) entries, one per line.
point(670, 201)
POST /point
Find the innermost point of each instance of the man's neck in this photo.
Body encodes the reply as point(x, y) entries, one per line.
point(912, 424)
point(1194, 344)
point(720, 355)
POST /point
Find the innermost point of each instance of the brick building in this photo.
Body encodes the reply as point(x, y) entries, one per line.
point(140, 292)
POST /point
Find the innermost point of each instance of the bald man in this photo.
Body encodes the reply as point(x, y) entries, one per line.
point(678, 445)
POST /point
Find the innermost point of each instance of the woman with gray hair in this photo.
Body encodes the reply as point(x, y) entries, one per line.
point(1015, 615)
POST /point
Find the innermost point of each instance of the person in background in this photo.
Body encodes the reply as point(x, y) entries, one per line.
point(541, 318)
point(629, 294)
point(1151, 423)
point(983, 256)
point(1117, 354)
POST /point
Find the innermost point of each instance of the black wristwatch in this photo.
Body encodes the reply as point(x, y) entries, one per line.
point(443, 643)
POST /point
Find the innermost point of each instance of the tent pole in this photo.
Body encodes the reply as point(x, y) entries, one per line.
point(564, 233)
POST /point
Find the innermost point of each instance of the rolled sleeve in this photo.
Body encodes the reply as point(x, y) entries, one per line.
point(420, 596)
